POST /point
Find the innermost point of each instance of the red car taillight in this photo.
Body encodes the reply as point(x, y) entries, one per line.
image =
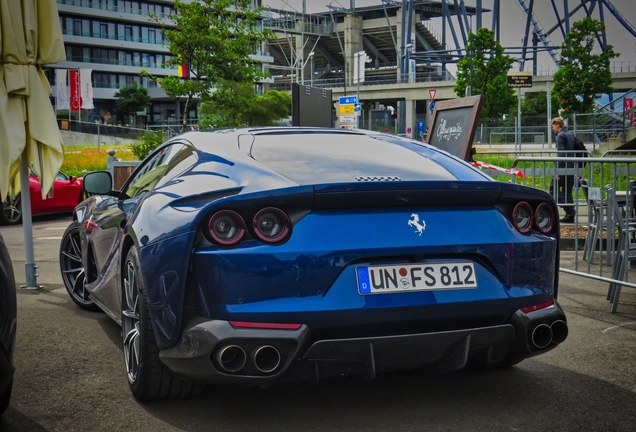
point(271, 225)
point(269, 326)
point(522, 217)
point(544, 217)
point(226, 227)
point(544, 305)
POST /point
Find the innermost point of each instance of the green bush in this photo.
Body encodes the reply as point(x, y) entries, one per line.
point(147, 143)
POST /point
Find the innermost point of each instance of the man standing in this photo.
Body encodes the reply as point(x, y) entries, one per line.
point(565, 183)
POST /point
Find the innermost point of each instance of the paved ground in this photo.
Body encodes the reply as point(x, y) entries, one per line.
point(70, 376)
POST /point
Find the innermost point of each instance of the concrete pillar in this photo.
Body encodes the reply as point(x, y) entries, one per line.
point(353, 44)
point(411, 120)
point(398, 40)
point(429, 114)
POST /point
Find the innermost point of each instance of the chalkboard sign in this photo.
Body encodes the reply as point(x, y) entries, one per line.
point(454, 124)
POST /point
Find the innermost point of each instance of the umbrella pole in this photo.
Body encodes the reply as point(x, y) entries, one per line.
point(27, 226)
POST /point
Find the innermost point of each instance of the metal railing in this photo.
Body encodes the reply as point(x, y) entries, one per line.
point(370, 80)
point(100, 130)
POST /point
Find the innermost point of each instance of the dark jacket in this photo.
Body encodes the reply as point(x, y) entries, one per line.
point(565, 141)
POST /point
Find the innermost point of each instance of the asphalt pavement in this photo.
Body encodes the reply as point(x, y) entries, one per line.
point(70, 375)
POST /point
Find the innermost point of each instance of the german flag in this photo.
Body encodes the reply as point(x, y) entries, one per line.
point(183, 70)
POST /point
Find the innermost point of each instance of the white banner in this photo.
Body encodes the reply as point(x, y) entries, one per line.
point(86, 88)
point(61, 90)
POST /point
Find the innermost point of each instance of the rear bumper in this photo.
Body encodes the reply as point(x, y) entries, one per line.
point(196, 357)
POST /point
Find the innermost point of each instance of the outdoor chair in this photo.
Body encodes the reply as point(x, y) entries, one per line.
point(625, 251)
point(598, 224)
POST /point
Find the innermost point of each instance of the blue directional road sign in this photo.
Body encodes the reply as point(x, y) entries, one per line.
point(356, 108)
point(431, 106)
point(347, 100)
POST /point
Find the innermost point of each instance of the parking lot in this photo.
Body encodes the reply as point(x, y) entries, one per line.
point(70, 375)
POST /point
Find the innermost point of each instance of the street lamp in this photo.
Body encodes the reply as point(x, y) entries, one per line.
point(361, 59)
point(311, 68)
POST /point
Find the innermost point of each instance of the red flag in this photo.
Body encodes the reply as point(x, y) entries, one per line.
point(74, 90)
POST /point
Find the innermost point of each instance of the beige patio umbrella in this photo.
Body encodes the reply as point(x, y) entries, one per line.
point(30, 37)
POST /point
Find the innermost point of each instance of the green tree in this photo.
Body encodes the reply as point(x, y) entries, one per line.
point(147, 142)
point(582, 76)
point(216, 39)
point(131, 99)
point(270, 107)
point(489, 67)
point(237, 104)
point(534, 109)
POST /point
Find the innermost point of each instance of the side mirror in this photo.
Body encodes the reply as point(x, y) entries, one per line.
point(71, 179)
point(98, 183)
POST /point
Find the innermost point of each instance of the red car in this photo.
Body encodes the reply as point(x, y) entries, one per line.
point(67, 193)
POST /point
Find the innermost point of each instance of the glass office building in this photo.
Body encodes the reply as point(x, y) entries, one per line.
point(117, 39)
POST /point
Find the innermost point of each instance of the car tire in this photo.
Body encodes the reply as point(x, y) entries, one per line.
point(11, 210)
point(72, 269)
point(5, 398)
point(148, 377)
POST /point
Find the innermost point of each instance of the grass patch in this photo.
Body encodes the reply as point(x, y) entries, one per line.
point(79, 160)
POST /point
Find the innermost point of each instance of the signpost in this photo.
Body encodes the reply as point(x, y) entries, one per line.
point(518, 80)
point(347, 109)
point(347, 118)
point(348, 113)
point(420, 128)
point(348, 100)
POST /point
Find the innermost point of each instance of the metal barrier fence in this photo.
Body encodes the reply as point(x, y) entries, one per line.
point(603, 189)
point(100, 129)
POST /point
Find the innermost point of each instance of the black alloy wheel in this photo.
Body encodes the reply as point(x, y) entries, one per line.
point(72, 268)
point(11, 210)
point(148, 377)
point(5, 397)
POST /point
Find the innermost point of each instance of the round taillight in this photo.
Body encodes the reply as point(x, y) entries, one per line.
point(522, 217)
point(544, 217)
point(226, 227)
point(271, 225)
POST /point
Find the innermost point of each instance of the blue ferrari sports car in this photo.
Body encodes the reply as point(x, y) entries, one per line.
point(257, 255)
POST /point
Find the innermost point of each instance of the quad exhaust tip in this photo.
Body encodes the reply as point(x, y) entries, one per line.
point(265, 358)
point(543, 334)
point(559, 331)
point(231, 358)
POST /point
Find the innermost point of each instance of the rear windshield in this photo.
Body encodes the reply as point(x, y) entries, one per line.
point(314, 158)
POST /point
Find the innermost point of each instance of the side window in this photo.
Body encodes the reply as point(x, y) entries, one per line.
point(160, 168)
point(180, 160)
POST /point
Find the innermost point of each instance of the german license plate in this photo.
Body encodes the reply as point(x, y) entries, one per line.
point(416, 277)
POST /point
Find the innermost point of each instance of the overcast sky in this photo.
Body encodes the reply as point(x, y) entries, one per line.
point(513, 22)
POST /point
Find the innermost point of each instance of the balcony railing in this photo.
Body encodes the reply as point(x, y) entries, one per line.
point(94, 5)
point(112, 37)
point(144, 64)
